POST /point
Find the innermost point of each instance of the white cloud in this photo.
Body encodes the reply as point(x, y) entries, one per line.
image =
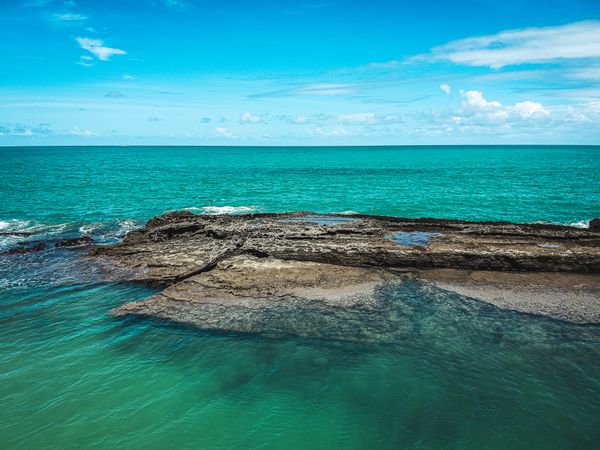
point(299, 119)
point(325, 132)
point(177, 5)
point(368, 119)
point(529, 45)
point(475, 99)
point(529, 109)
point(586, 73)
point(446, 89)
point(222, 131)
point(364, 118)
point(96, 47)
point(382, 65)
point(128, 77)
point(477, 111)
point(43, 129)
point(114, 94)
point(83, 133)
point(325, 89)
point(70, 17)
point(250, 118)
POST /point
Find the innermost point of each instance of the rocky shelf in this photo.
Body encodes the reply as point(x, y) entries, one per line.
point(247, 272)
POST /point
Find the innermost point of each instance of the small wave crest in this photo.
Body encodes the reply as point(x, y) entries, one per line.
point(580, 224)
point(346, 213)
point(109, 231)
point(103, 232)
point(223, 209)
point(37, 230)
point(14, 225)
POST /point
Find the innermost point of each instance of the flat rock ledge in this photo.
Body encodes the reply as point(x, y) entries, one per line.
point(320, 275)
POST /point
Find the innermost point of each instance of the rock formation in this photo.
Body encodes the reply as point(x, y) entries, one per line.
point(227, 271)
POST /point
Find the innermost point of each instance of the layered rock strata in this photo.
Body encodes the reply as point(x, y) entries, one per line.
point(242, 273)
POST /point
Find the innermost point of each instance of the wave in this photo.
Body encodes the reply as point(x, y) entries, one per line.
point(117, 228)
point(103, 232)
point(346, 213)
point(223, 209)
point(36, 229)
point(14, 225)
point(580, 224)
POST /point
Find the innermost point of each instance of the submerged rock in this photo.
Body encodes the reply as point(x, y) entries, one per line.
point(26, 247)
point(268, 263)
point(75, 242)
point(246, 294)
point(17, 233)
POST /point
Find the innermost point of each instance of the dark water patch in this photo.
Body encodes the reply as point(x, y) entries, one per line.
point(549, 245)
point(412, 238)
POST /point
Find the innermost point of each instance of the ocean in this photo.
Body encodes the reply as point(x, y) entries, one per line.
point(457, 374)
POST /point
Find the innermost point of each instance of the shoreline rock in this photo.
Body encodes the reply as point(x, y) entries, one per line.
point(267, 262)
point(26, 247)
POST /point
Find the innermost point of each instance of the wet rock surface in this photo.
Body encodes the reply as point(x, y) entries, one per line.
point(565, 296)
point(233, 272)
point(74, 242)
point(26, 247)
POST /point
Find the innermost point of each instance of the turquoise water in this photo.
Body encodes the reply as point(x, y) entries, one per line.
point(450, 373)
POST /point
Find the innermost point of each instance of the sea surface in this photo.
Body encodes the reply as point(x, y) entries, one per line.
point(454, 374)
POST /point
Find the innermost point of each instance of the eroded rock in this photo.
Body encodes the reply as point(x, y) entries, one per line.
point(75, 242)
point(25, 248)
point(250, 273)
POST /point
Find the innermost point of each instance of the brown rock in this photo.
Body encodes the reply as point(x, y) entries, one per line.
point(75, 242)
point(249, 272)
point(24, 249)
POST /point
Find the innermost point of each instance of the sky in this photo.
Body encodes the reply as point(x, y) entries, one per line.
point(307, 72)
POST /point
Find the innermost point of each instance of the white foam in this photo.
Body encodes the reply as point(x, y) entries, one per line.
point(223, 209)
point(14, 225)
point(127, 225)
point(89, 228)
point(346, 213)
point(109, 230)
point(580, 224)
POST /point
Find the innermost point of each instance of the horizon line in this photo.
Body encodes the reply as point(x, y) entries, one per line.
point(300, 146)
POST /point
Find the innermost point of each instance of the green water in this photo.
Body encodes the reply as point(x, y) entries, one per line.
point(451, 373)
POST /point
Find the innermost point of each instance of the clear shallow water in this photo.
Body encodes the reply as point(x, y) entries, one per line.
point(413, 238)
point(452, 373)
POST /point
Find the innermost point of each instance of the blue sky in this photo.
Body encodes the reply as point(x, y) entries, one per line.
point(311, 72)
